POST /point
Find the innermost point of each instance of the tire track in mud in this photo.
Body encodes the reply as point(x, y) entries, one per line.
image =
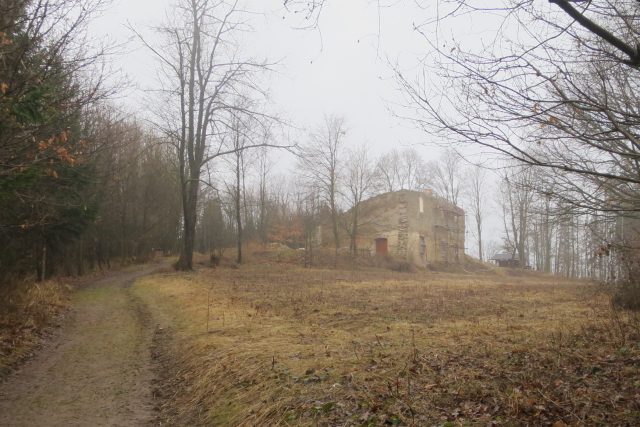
point(98, 370)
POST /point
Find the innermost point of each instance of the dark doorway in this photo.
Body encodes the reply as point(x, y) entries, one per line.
point(423, 246)
point(382, 247)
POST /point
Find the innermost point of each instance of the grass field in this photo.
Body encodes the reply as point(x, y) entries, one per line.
point(275, 344)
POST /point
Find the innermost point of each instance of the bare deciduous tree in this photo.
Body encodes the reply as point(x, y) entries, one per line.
point(203, 77)
point(320, 164)
point(402, 170)
point(264, 169)
point(475, 191)
point(516, 198)
point(237, 189)
point(561, 98)
point(448, 176)
point(358, 184)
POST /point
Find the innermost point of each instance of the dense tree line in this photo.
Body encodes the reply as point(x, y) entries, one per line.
point(45, 175)
point(550, 236)
point(79, 185)
point(84, 185)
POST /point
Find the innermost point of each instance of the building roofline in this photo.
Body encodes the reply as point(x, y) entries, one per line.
point(427, 192)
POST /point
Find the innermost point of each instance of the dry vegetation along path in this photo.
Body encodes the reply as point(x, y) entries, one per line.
point(96, 370)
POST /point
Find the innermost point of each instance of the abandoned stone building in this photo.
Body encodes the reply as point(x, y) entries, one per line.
point(416, 226)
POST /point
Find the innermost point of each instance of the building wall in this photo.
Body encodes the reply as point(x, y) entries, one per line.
point(402, 218)
point(379, 218)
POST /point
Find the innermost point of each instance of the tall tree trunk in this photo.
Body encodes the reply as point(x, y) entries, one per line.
point(188, 153)
point(522, 240)
point(354, 232)
point(185, 262)
point(123, 233)
point(479, 227)
point(547, 239)
point(238, 211)
point(334, 224)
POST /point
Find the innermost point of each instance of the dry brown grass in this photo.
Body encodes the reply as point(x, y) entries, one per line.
point(293, 346)
point(26, 310)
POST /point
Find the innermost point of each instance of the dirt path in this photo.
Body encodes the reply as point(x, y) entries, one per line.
point(96, 371)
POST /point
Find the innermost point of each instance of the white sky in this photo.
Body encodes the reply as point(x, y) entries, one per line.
point(338, 69)
point(341, 68)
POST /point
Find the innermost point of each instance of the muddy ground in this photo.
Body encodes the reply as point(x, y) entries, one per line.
point(96, 369)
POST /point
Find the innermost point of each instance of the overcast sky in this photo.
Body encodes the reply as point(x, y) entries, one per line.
point(342, 67)
point(339, 68)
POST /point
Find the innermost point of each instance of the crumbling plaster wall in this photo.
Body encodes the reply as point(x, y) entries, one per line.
point(398, 217)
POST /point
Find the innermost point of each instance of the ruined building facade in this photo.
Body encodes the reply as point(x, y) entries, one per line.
point(415, 226)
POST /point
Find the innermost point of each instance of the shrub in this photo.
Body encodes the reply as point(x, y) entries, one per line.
point(26, 310)
point(402, 267)
point(627, 293)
